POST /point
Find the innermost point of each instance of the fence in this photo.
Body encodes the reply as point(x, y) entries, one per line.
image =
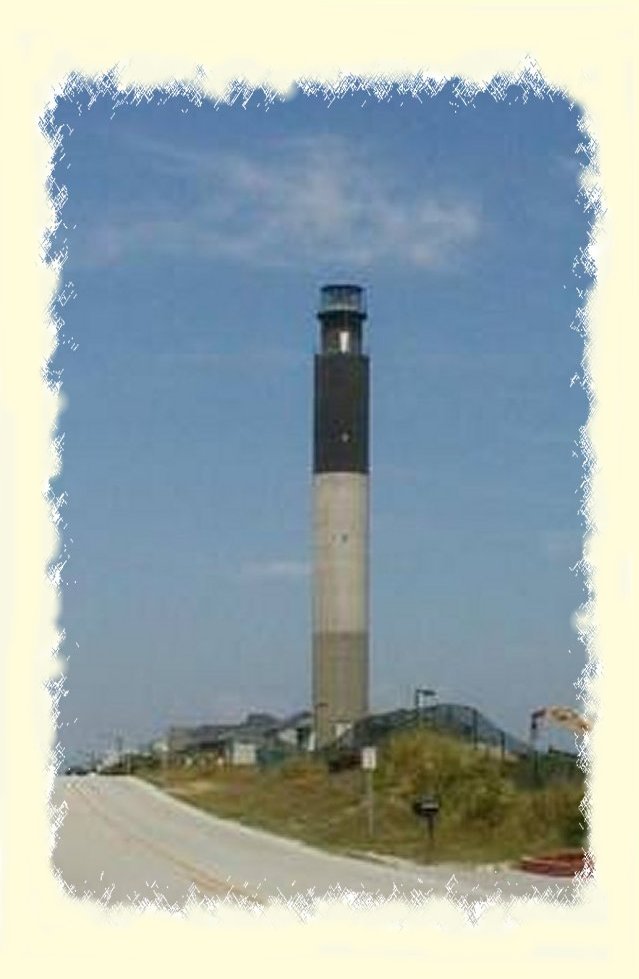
point(528, 767)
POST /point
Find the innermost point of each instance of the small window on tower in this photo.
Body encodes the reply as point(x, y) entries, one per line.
point(345, 437)
point(344, 341)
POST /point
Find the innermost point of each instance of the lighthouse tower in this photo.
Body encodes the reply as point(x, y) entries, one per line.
point(340, 515)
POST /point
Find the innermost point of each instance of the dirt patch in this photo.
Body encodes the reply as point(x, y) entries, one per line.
point(198, 786)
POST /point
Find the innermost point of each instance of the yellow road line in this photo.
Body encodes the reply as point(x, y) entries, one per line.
point(201, 879)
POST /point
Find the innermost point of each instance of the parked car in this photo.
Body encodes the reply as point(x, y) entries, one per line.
point(76, 770)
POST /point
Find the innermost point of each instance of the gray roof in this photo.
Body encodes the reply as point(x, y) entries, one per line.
point(301, 719)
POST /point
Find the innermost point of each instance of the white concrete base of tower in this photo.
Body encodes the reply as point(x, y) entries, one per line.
point(340, 602)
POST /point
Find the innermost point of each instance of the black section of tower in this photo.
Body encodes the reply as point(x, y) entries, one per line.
point(341, 383)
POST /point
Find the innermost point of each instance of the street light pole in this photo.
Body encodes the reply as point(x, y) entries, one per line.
point(422, 696)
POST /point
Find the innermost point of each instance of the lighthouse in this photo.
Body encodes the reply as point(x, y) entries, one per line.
point(340, 603)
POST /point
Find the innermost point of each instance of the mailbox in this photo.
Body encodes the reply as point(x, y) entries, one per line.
point(427, 808)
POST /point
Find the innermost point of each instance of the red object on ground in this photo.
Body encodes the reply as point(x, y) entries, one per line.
point(565, 863)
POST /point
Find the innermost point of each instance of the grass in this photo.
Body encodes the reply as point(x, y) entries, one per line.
point(484, 816)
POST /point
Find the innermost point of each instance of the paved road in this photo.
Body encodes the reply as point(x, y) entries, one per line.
point(123, 841)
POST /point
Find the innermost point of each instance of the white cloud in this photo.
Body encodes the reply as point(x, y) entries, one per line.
point(312, 200)
point(277, 569)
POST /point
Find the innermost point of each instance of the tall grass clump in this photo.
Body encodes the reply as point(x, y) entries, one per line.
point(479, 799)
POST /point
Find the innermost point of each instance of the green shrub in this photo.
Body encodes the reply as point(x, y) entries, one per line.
point(573, 830)
point(485, 800)
point(551, 814)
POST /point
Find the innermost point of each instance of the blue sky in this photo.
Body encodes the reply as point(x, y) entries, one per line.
point(198, 239)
